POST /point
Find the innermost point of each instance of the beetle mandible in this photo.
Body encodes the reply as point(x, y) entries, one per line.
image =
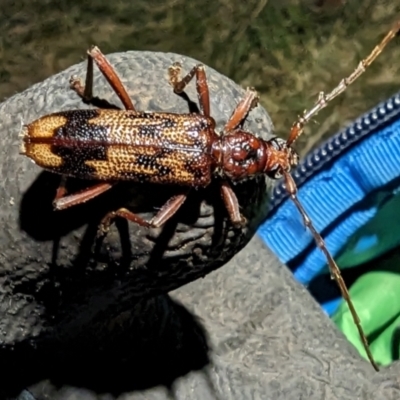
point(166, 148)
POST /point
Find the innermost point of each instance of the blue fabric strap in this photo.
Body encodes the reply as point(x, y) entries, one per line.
point(341, 199)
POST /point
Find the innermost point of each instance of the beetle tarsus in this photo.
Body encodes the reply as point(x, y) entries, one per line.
point(76, 85)
point(179, 84)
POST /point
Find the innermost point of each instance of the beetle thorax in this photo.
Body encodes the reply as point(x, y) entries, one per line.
point(241, 155)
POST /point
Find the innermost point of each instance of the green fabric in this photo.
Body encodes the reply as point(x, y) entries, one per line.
point(377, 236)
point(376, 298)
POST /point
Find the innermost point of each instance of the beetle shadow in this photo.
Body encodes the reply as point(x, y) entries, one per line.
point(155, 342)
point(42, 223)
point(101, 103)
point(37, 216)
point(192, 106)
point(187, 215)
point(123, 356)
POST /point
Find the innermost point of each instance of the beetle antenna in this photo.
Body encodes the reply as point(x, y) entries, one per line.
point(324, 99)
point(333, 267)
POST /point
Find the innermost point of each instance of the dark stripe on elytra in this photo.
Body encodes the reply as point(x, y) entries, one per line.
point(198, 172)
point(76, 132)
point(78, 141)
point(74, 159)
point(78, 127)
point(156, 130)
point(152, 162)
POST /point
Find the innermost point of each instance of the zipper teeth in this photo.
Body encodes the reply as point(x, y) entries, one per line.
point(338, 144)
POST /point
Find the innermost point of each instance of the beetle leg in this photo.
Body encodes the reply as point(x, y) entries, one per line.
point(86, 92)
point(163, 215)
point(61, 201)
point(174, 72)
point(249, 101)
point(232, 204)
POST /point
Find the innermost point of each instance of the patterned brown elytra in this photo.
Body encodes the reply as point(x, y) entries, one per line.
point(109, 146)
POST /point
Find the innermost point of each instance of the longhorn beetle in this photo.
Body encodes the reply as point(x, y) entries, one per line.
point(166, 148)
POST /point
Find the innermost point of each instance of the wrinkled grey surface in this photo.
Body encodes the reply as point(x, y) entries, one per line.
point(268, 340)
point(76, 329)
point(55, 278)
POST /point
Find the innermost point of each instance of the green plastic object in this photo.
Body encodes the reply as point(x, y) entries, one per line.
point(376, 297)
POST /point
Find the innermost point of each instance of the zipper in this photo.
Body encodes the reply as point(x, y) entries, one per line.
point(337, 145)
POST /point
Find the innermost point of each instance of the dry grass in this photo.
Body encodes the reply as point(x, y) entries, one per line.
point(289, 50)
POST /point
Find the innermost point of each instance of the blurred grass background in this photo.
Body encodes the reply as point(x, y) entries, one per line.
point(290, 50)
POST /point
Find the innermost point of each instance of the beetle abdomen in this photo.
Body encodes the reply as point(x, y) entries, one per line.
point(123, 145)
